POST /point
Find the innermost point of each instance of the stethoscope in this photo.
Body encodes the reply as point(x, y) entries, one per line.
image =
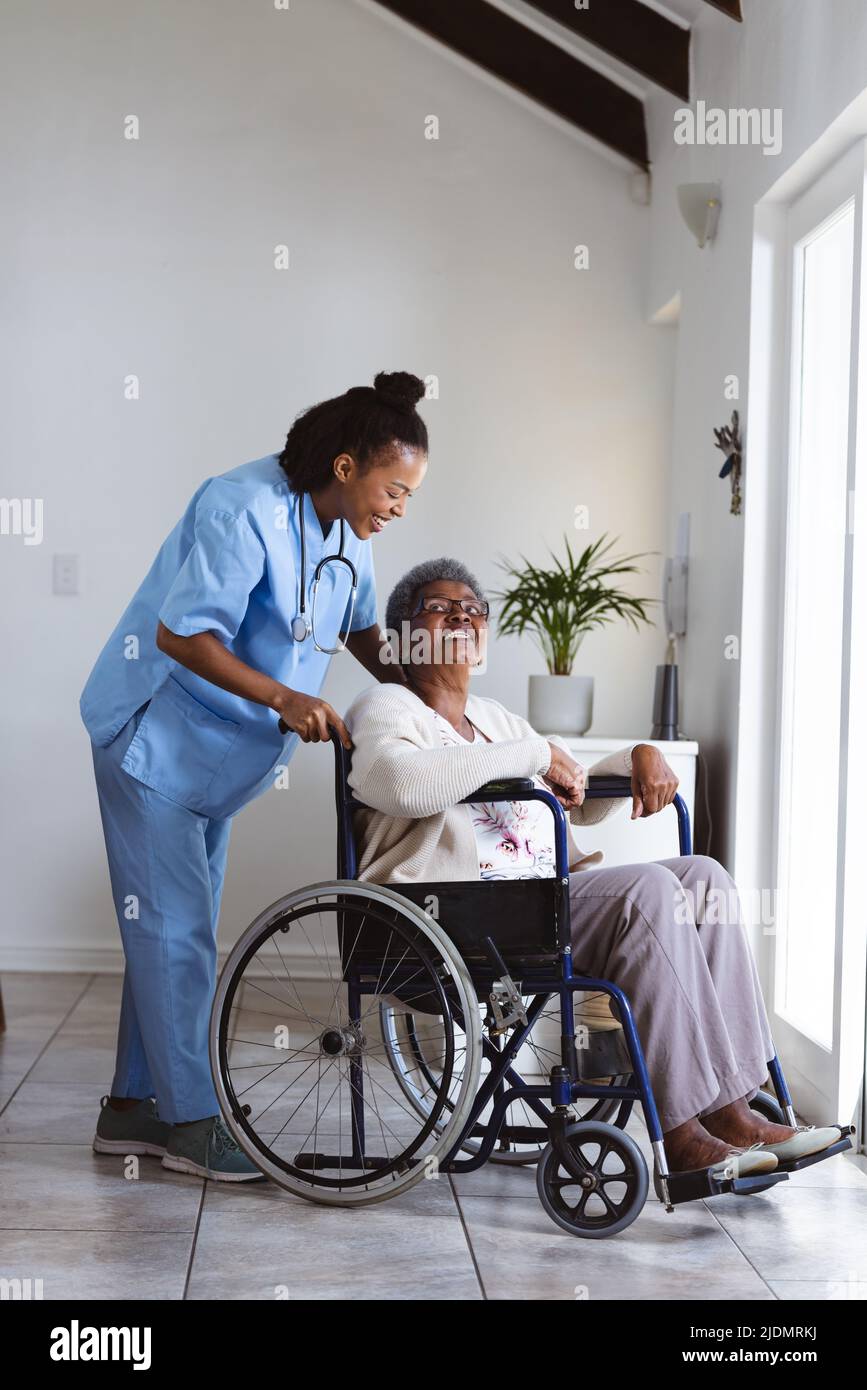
point(302, 626)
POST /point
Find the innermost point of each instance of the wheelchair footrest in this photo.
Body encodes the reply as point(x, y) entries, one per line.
point(699, 1182)
point(758, 1182)
point(796, 1164)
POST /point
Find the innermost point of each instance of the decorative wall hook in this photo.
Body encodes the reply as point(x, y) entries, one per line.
point(729, 440)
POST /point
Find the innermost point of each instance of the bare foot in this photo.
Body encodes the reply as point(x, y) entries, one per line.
point(738, 1124)
point(691, 1146)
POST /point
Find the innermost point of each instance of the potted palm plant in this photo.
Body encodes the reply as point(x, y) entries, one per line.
point(557, 606)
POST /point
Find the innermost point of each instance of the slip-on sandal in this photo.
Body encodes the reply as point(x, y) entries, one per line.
point(745, 1163)
point(808, 1140)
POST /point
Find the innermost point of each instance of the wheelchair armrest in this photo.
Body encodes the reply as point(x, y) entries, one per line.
point(514, 787)
point(608, 785)
point(502, 790)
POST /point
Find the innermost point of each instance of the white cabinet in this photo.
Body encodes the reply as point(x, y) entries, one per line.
point(626, 841)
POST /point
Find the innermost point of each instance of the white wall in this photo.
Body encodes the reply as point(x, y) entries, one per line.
point(155, 258)
point(808, 58)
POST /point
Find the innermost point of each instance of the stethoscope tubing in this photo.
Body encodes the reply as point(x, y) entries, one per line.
point(302, 627)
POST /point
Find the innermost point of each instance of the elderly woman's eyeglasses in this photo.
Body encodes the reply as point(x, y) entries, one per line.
point(473, 607)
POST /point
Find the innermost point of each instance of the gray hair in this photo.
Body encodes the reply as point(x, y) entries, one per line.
point(402, 598)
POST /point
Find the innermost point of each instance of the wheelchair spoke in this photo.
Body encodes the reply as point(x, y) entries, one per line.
point(327, 958)
point(253, 1042)
point(255, 985)
point(315, 1087)
point(287, 972)
point(348, 961)
point(380, 1121)
point(276, 1067)
point(293, 1082)
point(405, 1108)
point(613, 1208)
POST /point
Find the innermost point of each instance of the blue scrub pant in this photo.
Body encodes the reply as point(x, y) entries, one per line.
point(166, 866)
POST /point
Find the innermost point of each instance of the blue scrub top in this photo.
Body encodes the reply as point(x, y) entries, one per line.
point(231, 566)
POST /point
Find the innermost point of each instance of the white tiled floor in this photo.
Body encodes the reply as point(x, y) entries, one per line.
point(88, 1230)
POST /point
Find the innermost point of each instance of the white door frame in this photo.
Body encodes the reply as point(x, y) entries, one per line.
point(824, 1087)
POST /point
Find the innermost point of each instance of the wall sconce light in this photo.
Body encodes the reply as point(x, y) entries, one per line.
point(700, 207)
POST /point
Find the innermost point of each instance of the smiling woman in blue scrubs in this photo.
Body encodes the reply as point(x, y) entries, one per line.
point(200, 695)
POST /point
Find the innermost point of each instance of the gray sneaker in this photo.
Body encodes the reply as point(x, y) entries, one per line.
point(207, 1149)
point(138, 1130)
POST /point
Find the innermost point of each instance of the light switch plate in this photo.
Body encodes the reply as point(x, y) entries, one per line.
point(64, 579)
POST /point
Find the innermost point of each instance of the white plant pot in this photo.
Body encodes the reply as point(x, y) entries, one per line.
point(561, 704)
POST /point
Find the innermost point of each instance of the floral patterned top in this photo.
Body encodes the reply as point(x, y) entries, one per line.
point(515, 839)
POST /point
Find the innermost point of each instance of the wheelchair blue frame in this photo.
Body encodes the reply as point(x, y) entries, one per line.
point(503, 1086)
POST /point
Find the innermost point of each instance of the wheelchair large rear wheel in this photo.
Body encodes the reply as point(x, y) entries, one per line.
point(298, 1058)
point(411, 1043)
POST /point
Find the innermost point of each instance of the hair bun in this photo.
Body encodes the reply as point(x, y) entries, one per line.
point(399, 389)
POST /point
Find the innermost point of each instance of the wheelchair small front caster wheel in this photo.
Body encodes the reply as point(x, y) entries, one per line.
point(604, 1187)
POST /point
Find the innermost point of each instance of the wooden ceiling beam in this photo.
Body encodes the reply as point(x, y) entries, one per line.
point(535, 66)
point(732, 8)
point(641, 38)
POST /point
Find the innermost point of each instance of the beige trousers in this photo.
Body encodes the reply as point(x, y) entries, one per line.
point(671, 935)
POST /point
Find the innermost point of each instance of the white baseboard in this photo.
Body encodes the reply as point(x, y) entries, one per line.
point(99, 960)
point(62, 960)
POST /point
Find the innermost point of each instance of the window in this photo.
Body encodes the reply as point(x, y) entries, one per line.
point(813, 624)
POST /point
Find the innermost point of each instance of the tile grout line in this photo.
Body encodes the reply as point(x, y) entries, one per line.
point(741, 1252)
point(194, 1241)
point(50, 1040)
point(464, 1227)
point(98, 1230)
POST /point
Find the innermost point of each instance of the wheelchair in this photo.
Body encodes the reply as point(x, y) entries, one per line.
point(365, 1037)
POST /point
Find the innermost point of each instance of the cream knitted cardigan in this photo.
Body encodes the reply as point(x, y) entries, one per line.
point(416, 831)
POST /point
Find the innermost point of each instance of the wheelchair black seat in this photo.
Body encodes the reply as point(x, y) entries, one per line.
point(521, 917)
point(519, 914)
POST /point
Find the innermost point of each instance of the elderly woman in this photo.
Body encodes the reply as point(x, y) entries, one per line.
point(420, 748)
